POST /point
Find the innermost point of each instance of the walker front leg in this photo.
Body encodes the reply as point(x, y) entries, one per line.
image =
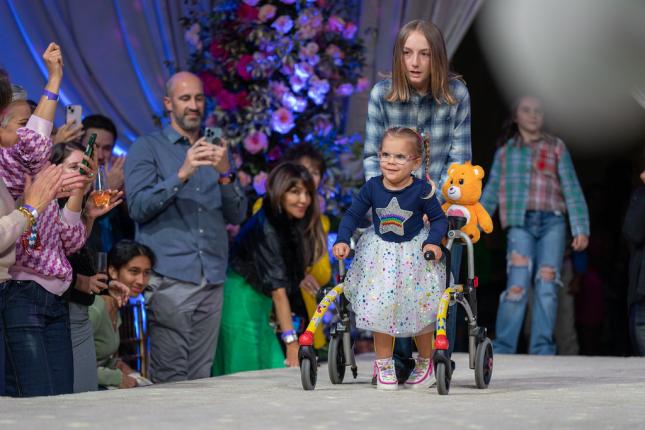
point(441, 339)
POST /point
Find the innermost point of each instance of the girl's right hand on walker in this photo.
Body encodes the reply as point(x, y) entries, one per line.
point(340, 251)
point(292, 355)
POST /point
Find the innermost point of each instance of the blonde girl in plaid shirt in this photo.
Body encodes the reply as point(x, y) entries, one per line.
point(422, 94)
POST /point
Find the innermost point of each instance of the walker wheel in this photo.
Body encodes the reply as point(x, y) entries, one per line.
point(484, 363)
point(443, 378)
point(336, 360)
point(308, 374)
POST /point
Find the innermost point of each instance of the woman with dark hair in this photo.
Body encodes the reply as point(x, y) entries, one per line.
point(129, 264)
point(424, 95)
point(304, 302)
point(86, 282)
point(269, 259)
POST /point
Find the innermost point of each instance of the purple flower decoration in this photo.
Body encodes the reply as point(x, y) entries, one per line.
point(297, 83)
point(309, 23)
point(350, 30)
point(335, 53)
point(304, 70)
point(256, 142)
point(336, 24)
point(251, 2)
point(318, 89)
point(309, 53)
point(283, 24)
point(362, 84)
point(282, 121)
point(345, 90)
point(275, 154)
point(267, 12)
point(260, 183)
point(296, 104)
point(278, 89)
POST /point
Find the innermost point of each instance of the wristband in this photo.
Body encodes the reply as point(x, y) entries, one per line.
point(289, 336)
point(226, 177)
point(50, 96)
point(31, 210)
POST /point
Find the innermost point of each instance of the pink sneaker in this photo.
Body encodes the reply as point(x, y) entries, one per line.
point(385, 374)
point(421, 376)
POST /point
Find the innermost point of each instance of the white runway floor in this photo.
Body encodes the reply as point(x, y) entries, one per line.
point(526, 392)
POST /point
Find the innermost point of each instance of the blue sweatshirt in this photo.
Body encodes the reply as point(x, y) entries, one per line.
point(397, 215)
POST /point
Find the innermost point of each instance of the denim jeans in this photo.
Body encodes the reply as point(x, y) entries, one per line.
point(637, 327)
point(403, 345)
point(38, 342)
point(538, 245)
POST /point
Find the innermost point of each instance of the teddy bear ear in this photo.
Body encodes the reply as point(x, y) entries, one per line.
point(479, 172)
point(452, 168)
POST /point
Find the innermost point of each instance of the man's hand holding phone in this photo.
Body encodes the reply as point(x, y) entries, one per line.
point(200, 154)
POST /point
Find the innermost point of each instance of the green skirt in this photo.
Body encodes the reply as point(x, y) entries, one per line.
point(246, 340)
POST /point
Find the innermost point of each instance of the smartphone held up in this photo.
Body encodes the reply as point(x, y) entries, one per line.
point(214, 135)
point(74, 113)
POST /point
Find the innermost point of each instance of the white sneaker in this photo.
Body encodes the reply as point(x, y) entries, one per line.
point(385, 374)
point(421, 376)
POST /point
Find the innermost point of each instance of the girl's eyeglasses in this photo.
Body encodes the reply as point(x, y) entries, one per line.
point(401, 159)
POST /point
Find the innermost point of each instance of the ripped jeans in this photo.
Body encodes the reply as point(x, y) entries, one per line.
point(534, 256)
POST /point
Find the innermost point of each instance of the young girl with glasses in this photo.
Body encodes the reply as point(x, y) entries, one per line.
point(394, 291)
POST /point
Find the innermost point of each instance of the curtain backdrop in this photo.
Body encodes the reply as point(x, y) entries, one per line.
point(118, 54)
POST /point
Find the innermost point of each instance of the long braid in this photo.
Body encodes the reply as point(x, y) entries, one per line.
point(425, 139)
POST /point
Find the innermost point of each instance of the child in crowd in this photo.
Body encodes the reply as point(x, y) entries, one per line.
point(129, 264)
point(393, 290)
point(535, 184)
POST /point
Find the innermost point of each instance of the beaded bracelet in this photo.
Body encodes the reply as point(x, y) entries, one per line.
point(29, 238)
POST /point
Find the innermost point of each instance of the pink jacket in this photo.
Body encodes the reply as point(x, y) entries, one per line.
point(61, 232)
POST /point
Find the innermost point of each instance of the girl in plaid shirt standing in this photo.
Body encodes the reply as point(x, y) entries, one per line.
point(424, 95)
point(534, 183)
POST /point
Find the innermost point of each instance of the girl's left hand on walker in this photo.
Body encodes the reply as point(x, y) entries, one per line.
point(435, 249)
point(580, 242)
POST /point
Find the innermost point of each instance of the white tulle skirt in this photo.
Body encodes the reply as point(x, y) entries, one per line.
point(392, 288)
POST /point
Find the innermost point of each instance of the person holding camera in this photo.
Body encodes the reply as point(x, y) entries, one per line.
point(181, 191)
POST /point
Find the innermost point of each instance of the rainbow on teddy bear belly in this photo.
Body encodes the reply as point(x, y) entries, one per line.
point(458, 210)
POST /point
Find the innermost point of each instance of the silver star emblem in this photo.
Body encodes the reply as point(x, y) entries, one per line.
point(392, 218)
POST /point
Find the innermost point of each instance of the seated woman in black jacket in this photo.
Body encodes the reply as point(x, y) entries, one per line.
point(269, 259)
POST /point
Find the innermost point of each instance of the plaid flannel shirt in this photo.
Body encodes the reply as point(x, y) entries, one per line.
point(509, 183)
point(448, 126)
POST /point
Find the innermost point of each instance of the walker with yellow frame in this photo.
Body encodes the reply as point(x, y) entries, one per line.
point(341, 353)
